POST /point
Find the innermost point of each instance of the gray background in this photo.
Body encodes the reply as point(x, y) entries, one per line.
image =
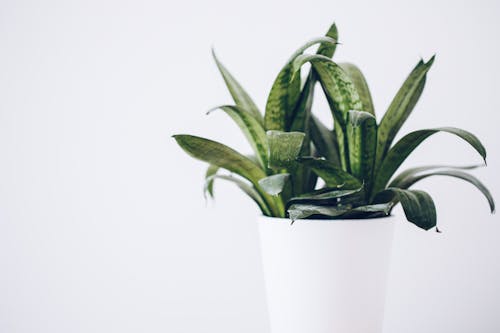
point(103, 227)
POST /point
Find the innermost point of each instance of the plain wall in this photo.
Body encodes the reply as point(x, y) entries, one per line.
point(103, 226)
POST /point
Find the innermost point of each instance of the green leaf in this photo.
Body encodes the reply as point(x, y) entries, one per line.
point(246, 188)
point(285, 91)
point(328, 49)
point(418, 207)
point(252, 129)
point(221, 155)
point(340, 93)
point(412, 179)
point(302, 112)
point(362, 142)
point(284, 148)
point(403, 148)
point(274, 184)
point(240, 97)
point(359, 81)
point(302, 211)
point(401, 107)
point(331, 174)
point(328, 196)
point(325, 141)
point(209, 180)
point(399, 180)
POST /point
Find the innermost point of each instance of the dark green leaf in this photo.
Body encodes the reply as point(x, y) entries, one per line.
point(340, 91)
point(331, 174)
point(412, 172)
point(328, 49)
point(417, 205)
point(218, 154)
point(328, 196)
point(403, 148)
point(240, 97)
point(245, 187)
point(412, 179)
point(274, 184)
point(285, 91)
point(284, 148)
point(361, 85)
point(302, 211)
point(401, 107)
point(362, 142)
point(325, 141)
point(252, 129)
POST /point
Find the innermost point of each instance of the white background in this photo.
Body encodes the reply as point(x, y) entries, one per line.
point(103, 226)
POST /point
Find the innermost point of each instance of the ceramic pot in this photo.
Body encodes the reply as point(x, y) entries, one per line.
point(326, 276)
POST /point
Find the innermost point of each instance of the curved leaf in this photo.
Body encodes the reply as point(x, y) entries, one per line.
point(328, 49)
point(209, 180)
point(401, 107)
point(301, 115)
point(340, 93)
point(274, 184)
point(246, 188)
point(218, 154)
point(418, 206)
point(328, 196)
point(252, 129)
point(359, 81)
point(412, 179)
point(362, 140)
point(331, 174)
point(302, 211)
point(284, 148)
point(240, 96)
point(325, 141)
point(285, 91)
point(412, 172)
point(397, 154)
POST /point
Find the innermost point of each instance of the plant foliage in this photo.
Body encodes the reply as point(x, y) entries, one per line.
point(357, 159)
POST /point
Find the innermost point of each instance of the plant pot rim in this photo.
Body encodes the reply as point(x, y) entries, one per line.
point(273, 219)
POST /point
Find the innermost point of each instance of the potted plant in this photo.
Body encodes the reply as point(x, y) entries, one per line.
point(326, 271)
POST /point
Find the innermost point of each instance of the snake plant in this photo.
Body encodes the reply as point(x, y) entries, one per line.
point(356, 159)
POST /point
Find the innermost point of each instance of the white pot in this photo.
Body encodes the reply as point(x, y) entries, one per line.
point(326, 276)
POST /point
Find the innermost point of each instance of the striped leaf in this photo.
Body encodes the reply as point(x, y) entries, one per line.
point(284, 148)
point(240, 96)
point(221, 155)
point(400, 108)
point(285, 91)
point(252, 129)
point(359, 81)
point(362, 140)
point(340, 93)
point(403, 148)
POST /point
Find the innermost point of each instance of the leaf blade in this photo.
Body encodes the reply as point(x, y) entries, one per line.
point(403, 148)
point(239, 95)
point(253, 130)
point(359, 81)
point(401, 107)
